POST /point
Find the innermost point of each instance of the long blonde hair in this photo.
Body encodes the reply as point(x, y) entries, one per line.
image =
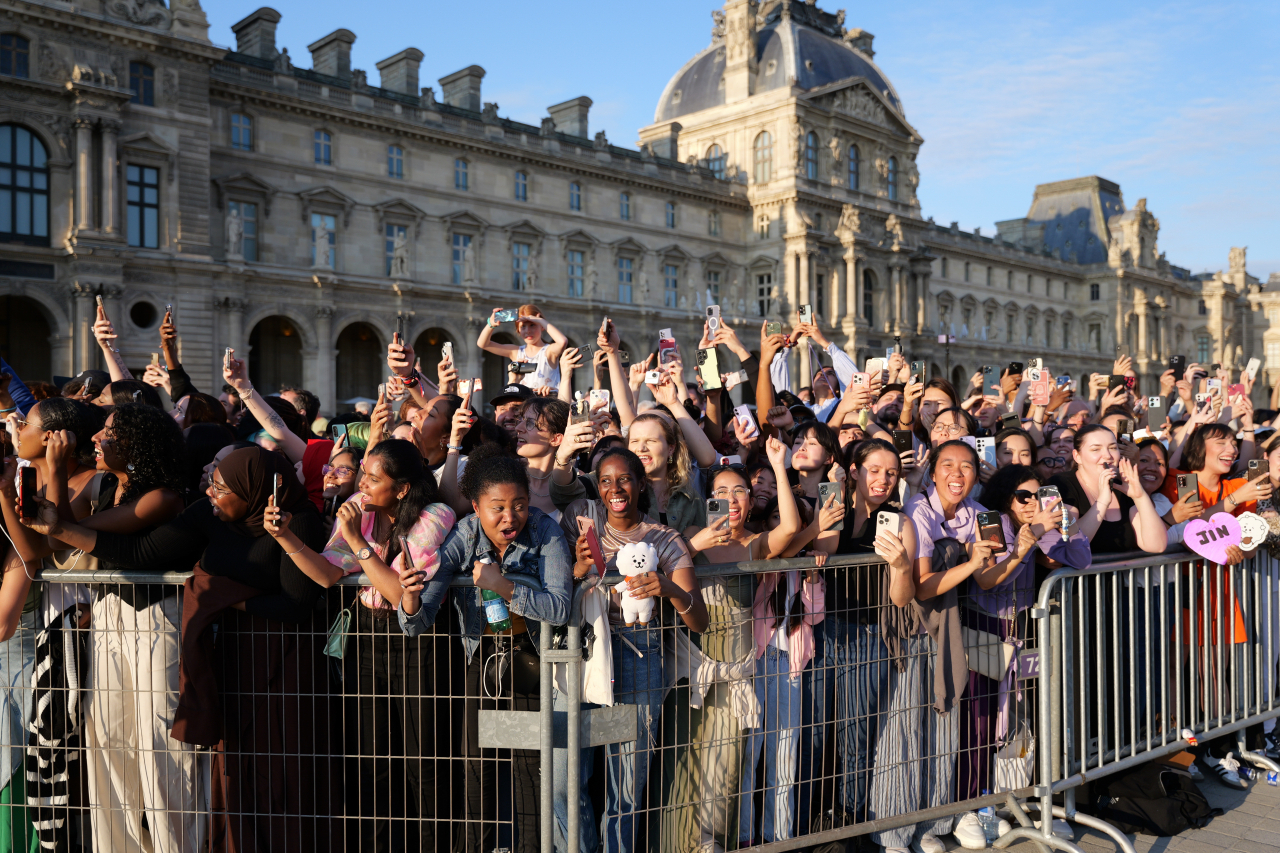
point(680, 465)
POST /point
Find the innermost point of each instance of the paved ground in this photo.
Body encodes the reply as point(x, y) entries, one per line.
point(1251, 824)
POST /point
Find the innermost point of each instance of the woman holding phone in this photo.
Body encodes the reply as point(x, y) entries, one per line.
point(393, 527)
point(851, 668)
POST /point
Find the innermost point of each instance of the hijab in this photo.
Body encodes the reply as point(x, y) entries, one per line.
point(248, 472)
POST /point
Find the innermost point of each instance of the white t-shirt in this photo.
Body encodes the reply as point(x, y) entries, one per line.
point(547, 374)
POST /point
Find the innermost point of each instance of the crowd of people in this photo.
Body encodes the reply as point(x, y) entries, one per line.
point(256, 703)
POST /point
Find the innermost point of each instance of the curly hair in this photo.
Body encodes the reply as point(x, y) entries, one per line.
point(680, 465)
point(490, 465)
point(151, 444)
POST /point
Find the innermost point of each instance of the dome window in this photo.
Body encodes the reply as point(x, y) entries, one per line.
point(771, 67)
point(716, 161)
point(808, 63)
point(675, 96)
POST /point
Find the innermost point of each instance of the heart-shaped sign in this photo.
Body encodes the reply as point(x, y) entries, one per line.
point(1210, 539)
point(1253, 530)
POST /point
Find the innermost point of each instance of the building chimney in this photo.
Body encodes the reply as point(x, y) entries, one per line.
point(861, 40)
point(571, 116)
point(256, 34)
point(462, 88)
point(400, 72)
point(663, 139)
point(332, 54)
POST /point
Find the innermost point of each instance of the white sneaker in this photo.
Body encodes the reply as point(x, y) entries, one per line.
point(929, 843)
point(1226, 770)
point(1004, 827)
point(969, 832)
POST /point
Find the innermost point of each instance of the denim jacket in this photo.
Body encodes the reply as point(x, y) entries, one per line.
point(540, 554)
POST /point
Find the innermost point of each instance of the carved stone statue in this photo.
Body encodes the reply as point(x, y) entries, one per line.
point(548, 126)
point(400, 257)
point(601, 141)
point(284, 65)
point(489, 114)
point(324, 251)
point(469, 265)
point(644, 289)
point(1237, 258)
point(235, 234)
point(850, 222)
point(717, 25)
point(593, 278)
point(1114, 257)
point(893, 228)
point(531, 275)
point(798, 142)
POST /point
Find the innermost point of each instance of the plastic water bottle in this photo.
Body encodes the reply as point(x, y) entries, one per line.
point(495, 607)
point(988, 821)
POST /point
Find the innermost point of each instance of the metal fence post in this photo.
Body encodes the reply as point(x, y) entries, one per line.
point(573, 735)
point(546, 718)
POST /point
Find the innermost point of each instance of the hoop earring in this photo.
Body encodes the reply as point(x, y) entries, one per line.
point(129, 467)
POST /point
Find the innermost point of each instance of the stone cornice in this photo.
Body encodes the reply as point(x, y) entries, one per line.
point(76, 21)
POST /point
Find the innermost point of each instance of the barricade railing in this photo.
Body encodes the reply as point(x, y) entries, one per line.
point(710, 742)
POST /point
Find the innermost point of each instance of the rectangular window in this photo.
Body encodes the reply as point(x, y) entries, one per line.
point(670, 286)
point(323, 145)
point(520, 266)
point(144, 206)
point(1202, 309)
point(142, 82)
point(15, 53)
point(624, 206)
point(575, 273)
point(1009, 283)
point(249, 225)
point(990, 276)
point(671, 214)
point(24, 187)
point(820, 294)
point(459, 174)
point(522, 186)
point(575, 196)
point(1095, 292)
point(395, 161)
point(966, 270)
point(461, 243)
point(713, 287)
point(1066, 334)
point(241, 132)
point(1204, 345)
point(625, 269)
point(944, 268)
point(325, 225)
point(764, 294)
point(392, 232)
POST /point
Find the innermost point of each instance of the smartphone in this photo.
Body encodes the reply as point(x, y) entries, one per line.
point(991, 382)
point(731, 460)
point(917, 371)
point(337, 432)
point(1252, 367)
point(733, 380)
point(99, 298)
point(1122, 350)
point(226, 358)
point(901, 440)
point(400, 320)
point(1236, 390)
point(1213, 386)
point(155, 359)
point(27, 507)
point(1126, 429)
point(878, 367)
point(1157, 412)
point(587, 528)
point(507, 315)
point(713, 318)
point(1188, 484)
point(580, 411)
point(585, 352)
point(477, 385)
point(1214, 368)
point(825, 492)
point(860, 379)
point(1063, 381)
point(743, 413)
point(277, 481)
point(464, 387)
point(1040, 390)
point(1035, 364)
point(991, 530)
point(709, 369)
point(666, 349)
point(599, 398)
point(1047, 497)
point(1010, 420)
point(986, 448)
point(806, 313)
point(889, 522)
point(446, 351)
point(521, 367)
point(717, 508)
point(168, 311)
point(1178, 364)
point(773, 328)
point(1259, 468)
point(1015, 367)
point(1115, 380)
point(625, 358)
point(1200, 398)
point(653, 377)
point(407, 555)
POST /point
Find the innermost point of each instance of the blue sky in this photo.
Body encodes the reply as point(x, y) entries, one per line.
point(1177, 102)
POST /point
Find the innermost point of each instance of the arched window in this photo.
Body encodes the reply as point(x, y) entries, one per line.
point(142, 82)
point(624, 206)
point(716, 161)
point(855, 164)
point(868, 296)
point(24, 187)
point(671, 214)
point(763, 157)
point(811, 156)
point(575, 196)
point(522, 186)
point(323, 145)
point(15, 53)
point(459, 174)
point(892, 178)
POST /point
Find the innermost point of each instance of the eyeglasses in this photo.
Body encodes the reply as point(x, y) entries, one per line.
point(218, 491)
point(1022, 496)
point(1053, 462)
point(735, 492)
point(340, 470)
point(528, 425)
point(953, 429)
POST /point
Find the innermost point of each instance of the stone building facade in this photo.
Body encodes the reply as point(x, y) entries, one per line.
point(300, 215)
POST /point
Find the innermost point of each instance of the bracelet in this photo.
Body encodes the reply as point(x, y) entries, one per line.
point(299, 551)
point(412, 381)
point(687, 609)
point(8, 410)
point(457, 447)
point(248, 390)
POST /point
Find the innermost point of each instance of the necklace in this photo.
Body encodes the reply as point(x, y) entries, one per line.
point(543, 477)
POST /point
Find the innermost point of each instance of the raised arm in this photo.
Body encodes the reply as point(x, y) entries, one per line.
point(789, 521)
point(607, 340)
point(106, 335)
point(699, 445)
point(558, 339)
point(507, 351)
point(237, 376)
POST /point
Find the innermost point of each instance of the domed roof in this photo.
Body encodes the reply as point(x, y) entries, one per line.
point(786, 49)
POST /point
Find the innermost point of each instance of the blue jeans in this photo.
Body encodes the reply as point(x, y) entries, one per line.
point(17, 660)
point(851, 675)
point(780, 700)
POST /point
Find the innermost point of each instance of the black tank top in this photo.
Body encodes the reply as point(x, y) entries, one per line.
point(853, 592)
point(135, 595)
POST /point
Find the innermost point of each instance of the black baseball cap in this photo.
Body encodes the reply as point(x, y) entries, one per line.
point(511, 393)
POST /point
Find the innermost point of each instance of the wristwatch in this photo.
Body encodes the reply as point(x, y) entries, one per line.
point(364, 554)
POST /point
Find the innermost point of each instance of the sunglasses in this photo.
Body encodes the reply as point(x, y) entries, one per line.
point(1022, 496)
point(1053, 462)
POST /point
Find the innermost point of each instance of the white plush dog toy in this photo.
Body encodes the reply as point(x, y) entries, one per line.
point(635, 558)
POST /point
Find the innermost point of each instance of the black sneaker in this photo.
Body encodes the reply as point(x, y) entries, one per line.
point(1272, 738)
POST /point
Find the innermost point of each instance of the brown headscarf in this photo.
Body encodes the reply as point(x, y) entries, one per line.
point(248, 472)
